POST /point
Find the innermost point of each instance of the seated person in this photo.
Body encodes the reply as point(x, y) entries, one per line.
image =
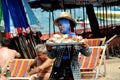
point(6, 53)
point(42, 62)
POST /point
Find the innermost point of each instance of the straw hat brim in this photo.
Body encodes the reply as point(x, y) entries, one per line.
point(72, 21)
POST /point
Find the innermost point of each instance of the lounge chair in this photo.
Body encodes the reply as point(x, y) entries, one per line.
point(90, 66)
point(18, 69)
point(96, 41)
point(111, 43)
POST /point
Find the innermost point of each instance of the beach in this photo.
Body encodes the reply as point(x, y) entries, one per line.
point(112, 69)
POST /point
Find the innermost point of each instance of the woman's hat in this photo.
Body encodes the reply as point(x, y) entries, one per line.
point(65, 15)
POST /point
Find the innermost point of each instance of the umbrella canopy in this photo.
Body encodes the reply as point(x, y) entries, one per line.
point(18, 17)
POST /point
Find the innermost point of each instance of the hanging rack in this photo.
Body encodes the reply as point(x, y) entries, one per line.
point(53, 20)
point(111, 16)
point(49, 22)
point(63, 3)
point(84, 17)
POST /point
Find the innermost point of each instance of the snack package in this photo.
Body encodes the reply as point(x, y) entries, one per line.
point(63, 38)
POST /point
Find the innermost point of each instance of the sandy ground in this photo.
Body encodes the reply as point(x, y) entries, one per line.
point(112, 69)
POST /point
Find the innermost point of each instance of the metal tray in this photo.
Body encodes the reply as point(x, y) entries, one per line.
point(64, 43)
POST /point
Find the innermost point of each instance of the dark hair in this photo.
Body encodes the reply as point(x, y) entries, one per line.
point(72, 27)
point(5, 42)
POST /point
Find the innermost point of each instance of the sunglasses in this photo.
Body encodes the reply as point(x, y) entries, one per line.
point(59, 24)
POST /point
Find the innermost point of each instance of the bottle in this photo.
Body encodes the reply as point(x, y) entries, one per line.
point(8, 72)
point(0, 69)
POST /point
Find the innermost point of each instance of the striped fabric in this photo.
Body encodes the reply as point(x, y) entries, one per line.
point(18, 67)
point(92, 61)
point(90, 66)
point(95, 41)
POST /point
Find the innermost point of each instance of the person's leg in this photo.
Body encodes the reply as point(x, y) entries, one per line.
point(33, 78)
point(46, 76)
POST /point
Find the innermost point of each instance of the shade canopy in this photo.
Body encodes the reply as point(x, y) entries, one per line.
point(50, 5)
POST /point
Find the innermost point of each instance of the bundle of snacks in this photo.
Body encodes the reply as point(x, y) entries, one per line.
point(63, 38)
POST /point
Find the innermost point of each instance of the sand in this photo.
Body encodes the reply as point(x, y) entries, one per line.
point(112, 69)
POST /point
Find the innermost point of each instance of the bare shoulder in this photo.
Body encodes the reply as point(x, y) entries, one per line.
point(14, 52)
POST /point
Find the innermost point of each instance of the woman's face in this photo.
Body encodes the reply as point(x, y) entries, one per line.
point(61, 28)
point(64, 26)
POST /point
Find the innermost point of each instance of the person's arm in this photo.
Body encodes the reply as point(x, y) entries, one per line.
point(34, 63)
point(51, 51)
point(3, 78)
point(46, 64)
point(17, 55)
point(42, 67)
point(14, 53)
point(85, 49)
point(33, 71)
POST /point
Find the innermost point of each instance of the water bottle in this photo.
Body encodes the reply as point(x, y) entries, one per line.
point(0, 69)
point(8, 72)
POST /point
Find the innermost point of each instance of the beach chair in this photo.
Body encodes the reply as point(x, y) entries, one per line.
point(95, 41)
point(18, 69)
point(90, 66)
point(111, 42)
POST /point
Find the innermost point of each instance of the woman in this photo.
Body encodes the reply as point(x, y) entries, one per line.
point(66, 65)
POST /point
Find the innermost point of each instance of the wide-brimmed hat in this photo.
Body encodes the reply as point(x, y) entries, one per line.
point(65, 15)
